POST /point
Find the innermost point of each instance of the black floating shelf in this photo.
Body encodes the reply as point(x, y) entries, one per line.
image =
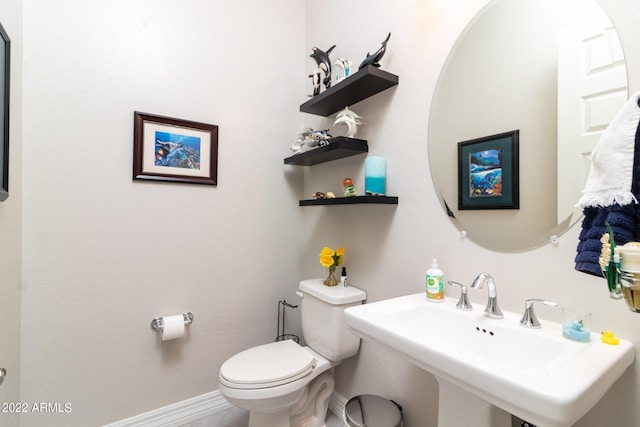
point(382, 200)
point(338, 148)
point(361, 85)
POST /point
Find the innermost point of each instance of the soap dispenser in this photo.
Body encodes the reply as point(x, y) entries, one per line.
point(435, 283)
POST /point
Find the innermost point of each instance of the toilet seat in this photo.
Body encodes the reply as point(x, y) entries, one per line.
point(267, 365)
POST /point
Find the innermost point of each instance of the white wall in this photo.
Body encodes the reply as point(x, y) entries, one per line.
point(11, 220)
point(388, 248)
point(104, 255)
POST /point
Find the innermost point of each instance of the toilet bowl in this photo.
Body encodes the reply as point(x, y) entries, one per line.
point(271, 378)
point(284, 384)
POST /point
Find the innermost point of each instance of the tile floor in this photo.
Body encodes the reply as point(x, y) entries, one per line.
point(236, 417)
point(334, 421)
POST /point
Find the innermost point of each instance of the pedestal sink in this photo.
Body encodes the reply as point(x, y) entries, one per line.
point(535, 374)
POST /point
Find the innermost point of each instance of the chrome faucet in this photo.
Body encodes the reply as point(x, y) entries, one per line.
point(492, 310)
point(529, 318)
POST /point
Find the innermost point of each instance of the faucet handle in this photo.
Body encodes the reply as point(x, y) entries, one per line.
point(463, 302)
point(529, 318)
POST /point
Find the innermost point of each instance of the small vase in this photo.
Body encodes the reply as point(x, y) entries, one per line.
point(331, 279)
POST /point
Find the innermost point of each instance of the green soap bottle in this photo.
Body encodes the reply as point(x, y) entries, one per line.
point(435, 283)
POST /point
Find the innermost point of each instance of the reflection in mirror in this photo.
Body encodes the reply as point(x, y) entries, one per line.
point(555, 71)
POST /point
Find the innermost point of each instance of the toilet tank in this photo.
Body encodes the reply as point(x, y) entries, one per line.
point(323, 322)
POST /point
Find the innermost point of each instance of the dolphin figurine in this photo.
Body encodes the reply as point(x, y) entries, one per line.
point(375, 58)
point(324, 63)
point(349, 118)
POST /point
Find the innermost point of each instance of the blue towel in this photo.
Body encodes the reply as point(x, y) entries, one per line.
point(623, 219)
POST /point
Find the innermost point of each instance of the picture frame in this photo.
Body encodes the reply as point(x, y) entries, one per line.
point(174, 150)
point(488, 172)
point(5, 72)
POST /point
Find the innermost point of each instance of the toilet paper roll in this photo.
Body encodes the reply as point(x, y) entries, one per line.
point(172, 327)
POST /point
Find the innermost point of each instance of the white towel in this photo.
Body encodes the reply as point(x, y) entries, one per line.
point(611, 173)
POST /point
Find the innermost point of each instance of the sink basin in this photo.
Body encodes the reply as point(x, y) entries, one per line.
point(535, 374)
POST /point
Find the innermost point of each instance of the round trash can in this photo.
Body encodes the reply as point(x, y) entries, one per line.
point(368, 410)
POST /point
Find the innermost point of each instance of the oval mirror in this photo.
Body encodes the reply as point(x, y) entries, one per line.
point(554, 71)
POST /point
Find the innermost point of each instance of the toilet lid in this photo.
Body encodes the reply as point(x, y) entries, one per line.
point(268, 365)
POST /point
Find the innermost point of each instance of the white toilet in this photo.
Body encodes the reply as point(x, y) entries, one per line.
point(283, 384)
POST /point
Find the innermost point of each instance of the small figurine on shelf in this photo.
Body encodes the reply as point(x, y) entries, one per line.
point(303, 141)
point(324, 63)
point(375, 58)
point(349, 118)
point(315, 80)
point(344, 66)
point(320, 195)
point(322, 136)
point(349, 189)
point(308, 139)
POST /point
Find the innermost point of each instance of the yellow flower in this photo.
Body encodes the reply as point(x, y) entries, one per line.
point(326, 260)
point(327, 251)
point(330, 258)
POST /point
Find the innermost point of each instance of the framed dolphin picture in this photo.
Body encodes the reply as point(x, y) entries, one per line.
point(174, 150)
point(488, 172)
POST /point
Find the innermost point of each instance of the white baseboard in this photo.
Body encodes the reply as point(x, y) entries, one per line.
point(178, 413)
point(190, 410)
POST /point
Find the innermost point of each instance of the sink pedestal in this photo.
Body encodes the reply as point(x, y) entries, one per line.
point(457, 407)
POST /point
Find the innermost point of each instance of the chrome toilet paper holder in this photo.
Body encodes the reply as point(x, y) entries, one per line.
point(157, 324)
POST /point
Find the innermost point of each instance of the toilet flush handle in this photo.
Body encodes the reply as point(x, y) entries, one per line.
point(300, 294)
